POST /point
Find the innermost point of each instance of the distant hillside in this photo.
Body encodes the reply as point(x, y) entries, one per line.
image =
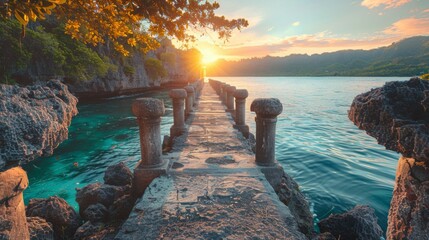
point(408, 57)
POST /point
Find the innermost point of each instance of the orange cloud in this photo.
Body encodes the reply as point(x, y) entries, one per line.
point(387, 3)
point(409, 27)
point(304, 44)
point(426, 11)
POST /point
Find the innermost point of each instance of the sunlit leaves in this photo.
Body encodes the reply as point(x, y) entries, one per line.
point(126, 24)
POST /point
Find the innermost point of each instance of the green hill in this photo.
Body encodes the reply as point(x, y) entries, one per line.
point(408, 57)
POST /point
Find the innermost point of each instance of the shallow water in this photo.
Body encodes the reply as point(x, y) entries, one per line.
point(336, 165)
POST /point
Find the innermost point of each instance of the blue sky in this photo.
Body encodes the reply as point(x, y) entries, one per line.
point(284, 27)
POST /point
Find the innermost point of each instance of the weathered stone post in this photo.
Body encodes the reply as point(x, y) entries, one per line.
point(148, 112)
point(178, 96)
point(189, 100)
point(223, 95)
point(266, 110)
point(13, 223)
point(230, 99)
point(240, 111)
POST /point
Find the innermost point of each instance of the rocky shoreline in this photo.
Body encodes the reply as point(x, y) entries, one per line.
point(34, 120)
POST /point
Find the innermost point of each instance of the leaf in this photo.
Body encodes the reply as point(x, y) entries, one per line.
point(21, 17)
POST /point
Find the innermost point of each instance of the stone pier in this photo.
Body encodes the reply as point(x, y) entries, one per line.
point(214, 188)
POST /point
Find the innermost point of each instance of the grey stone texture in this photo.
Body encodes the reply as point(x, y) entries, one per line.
point(240, 111)
point(178, 97)
point(34, 120)
point(230, 98)
point(13, 224)
point(189, 103)
point(215, 191)
point(397, 115)
point(266, 110)
point(58, 212)
point(360, 223)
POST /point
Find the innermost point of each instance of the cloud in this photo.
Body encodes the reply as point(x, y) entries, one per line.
point(296, 24)
point(302, 44)
point(426, 11)
point(408, 27)
point(387, 3)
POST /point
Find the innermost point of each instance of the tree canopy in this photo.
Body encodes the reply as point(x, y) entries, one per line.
point(126, 24)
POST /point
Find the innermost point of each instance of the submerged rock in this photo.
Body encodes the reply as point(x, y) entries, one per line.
point(397, 115)
point(360, 223)
point(40, 229)
point(57, 211)
point(34, 120)
point(118, 175)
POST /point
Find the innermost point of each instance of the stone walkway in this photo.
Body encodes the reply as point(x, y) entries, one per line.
point(214, 190)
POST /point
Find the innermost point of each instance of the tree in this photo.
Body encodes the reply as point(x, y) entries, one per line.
point(154, 69)
point(126, 24)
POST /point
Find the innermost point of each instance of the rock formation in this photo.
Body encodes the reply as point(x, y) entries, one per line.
point(34, 120)
point(13, 224)
point(58, 212)
point(40, 229)
point(397, 115)
point(360, 223)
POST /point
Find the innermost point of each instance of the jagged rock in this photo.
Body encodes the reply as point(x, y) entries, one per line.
point(34, 120)
point(397, 115)
point(57, 211)
point(121, 208)
point(95, 231)
point(13, 224)
point(99, 193)
point(40, 229)
point(118, 175)
point(409, 208)
point(95, 213)
point(288, 191)
point(360, 223)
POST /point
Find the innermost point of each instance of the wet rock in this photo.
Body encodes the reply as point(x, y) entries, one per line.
point(95, 213)
point(57, 211)
point(409, 208)
point(360, 223)
point(34, 120)
point(121, 208)
point(40, 229)
point(13, 224)
point(118, 175)
point(324, 236)
point(99, 193)
point(397, 116)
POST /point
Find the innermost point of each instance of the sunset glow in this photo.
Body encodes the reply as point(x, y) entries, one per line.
point(284, 29)
point(209, 56)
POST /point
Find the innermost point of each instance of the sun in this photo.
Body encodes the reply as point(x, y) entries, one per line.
point(208, 56)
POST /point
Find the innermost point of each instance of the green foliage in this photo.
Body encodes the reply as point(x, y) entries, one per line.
point(154, 69)
point(45, 54)
point(425, 76)
point(129, 70)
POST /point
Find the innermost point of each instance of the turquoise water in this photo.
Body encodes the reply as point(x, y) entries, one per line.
point(336, 165)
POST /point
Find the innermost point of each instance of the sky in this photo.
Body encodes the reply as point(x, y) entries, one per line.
point(285, 27)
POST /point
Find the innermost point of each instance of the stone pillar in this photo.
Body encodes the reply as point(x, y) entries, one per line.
point(148, 112)
point(13, 222)
point(409, 209)
point(240, 111)
point(266, 110)
point(223, 93)
point(178, 96)
point(230, 99)
point(189, 100)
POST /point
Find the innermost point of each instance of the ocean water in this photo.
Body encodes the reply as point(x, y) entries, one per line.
point(335, 164)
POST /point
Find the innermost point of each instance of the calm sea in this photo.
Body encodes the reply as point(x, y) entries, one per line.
point(335, 164)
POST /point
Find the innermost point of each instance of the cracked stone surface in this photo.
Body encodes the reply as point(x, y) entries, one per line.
point(214, 189)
